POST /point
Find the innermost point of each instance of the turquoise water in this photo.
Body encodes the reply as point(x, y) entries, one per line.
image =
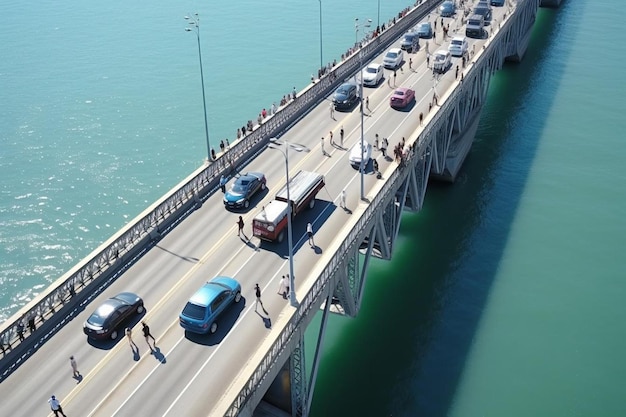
point(505, 294)
point(506, 298)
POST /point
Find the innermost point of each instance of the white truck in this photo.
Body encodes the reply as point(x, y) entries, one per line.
point(271, 223)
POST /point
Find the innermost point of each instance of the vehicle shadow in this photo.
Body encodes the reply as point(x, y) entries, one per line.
point(225, 323)
point(406, 108)
point(108, 344)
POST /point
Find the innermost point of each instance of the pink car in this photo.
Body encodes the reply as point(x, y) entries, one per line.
point(402, 97)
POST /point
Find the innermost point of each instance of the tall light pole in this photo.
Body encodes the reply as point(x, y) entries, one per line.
point(321, 59)
point(362, 165)
point(275, 144)
point(194, 22)
point(378, 20)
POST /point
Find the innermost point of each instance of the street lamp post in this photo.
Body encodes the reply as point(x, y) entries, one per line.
point(362, 165)
point(275, 144)
point(378, 19)
point(321, 59)
point(194, 22)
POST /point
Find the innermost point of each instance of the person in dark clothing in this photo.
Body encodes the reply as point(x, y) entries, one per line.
point(146, 333)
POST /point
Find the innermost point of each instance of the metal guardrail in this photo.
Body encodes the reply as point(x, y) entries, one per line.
point(124, 248)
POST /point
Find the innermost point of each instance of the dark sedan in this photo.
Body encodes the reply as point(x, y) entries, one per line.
point(106, 321)
point(345, 96)
point(243, 189)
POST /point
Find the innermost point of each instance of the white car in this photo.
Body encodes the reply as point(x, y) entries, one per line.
point(372, 74)
point(458, 46)
point(442, 61)
point(356, 154)
point(393, 59)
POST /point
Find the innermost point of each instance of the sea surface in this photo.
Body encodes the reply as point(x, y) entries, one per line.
point(505, 293)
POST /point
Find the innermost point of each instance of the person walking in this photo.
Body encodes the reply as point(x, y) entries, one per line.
point(331, 138)
point(367, 103)
point(394, 77)
point(375, 166)
point(55, 406)
point(323, 150)
point(223, 182)
point(427, 60)
point(341, 136)
point(383, 147)
point(240, 225)
point(309, 232)
point(129, 336)
point(410, 63)
point(332, 110)
point(147, 335)
point(376, 141)
point(342, 199)
point(283, 288)
point(257, 292)
point(75, 372)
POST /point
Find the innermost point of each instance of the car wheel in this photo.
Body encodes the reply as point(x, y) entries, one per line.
point(139, 309)
point(246, 204)
point(213, 328)
point(238, 297)
point(113, 335)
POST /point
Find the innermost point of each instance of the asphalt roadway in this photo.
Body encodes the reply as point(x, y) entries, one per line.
point(188, 375)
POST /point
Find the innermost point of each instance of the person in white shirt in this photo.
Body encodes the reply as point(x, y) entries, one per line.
point(309, 232)
point(55, 405)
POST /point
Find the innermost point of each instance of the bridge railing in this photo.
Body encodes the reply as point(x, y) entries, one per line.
point(123, 248)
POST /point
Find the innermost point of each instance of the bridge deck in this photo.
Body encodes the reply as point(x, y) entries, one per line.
point(189, 375)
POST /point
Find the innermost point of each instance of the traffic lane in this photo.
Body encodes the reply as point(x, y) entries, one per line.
point(194, 353)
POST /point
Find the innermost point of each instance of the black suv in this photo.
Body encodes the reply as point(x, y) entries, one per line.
point(345, 96)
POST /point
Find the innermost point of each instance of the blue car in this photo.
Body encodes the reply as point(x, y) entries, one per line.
point(425, 30)
point(204, 307)
point(447, 9)
point(243, 189)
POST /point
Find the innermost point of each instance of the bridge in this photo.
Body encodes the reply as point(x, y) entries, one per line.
point(257, 359)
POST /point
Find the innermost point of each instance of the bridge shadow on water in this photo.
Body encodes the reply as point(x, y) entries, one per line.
point(407, 350)
point(225, 323)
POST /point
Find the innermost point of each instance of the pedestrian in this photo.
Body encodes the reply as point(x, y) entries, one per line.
point(421, 118)
point(375, 166)
point(55, 405)
point(273, 109)
point(442, 23)
point(394, 77)
point(427, 60)
point(309, 232)
point(264, 113)
point(367, 103)
point(323, 151)
point(257, 292)
point(410, 63)
point(222, 146)
point(342, 201)
point(223, 182)
point(146, 333)
point(332, 110)
point(456, 75)
point(293, 93)
point(341, 136)
point(129, 336)
point(20, 330)
point(383, 147)
point(240, 225)
point(331, 138)
point(227, 144)
point(283, 288)
point(376, 141)
point(75, 372)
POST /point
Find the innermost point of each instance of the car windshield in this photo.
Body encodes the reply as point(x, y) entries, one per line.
point(457, 43)
point(194, 311)
point(371, 70)
point(344, 89)
point(399, 93)
point(424, 27)
point(392, 55)
point(439, 57)
point(101, 314)
point(409, 38)
point(240, 186)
